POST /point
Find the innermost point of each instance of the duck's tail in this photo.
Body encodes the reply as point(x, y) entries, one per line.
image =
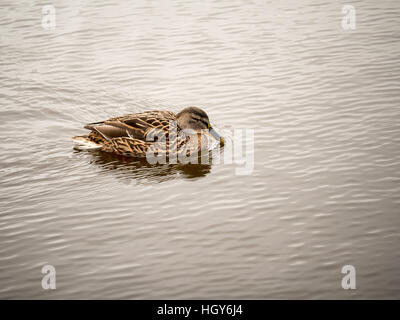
point(85, 143)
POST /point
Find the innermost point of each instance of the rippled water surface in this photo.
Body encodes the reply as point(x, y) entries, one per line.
point(324, 104)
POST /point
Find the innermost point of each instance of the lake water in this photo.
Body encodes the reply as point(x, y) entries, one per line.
point(324, 104)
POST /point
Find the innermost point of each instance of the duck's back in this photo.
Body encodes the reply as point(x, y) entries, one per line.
point(125, 134)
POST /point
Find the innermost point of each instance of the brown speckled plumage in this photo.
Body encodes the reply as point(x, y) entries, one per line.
point(128, 135)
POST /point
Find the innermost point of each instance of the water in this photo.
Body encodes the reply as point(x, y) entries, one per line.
point(324, 104)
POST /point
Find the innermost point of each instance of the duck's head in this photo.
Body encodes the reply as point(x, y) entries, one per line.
point(196, 119)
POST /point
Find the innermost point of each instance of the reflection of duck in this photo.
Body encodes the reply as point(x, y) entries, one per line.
point(140, 170)
point(129, 135)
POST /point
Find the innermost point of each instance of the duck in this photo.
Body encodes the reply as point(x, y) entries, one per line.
point(151, 132)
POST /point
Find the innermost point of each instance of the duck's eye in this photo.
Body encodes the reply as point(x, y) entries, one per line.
point(206, 124)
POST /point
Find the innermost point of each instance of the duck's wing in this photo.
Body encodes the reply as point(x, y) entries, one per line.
point(126, 146)
point(134, 125)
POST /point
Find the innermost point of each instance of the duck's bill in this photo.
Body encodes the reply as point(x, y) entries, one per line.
point(216, 136)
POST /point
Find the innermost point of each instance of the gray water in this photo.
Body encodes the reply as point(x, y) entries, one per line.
point(324, 104)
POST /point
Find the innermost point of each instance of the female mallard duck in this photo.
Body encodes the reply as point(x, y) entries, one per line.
point(133, 135)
